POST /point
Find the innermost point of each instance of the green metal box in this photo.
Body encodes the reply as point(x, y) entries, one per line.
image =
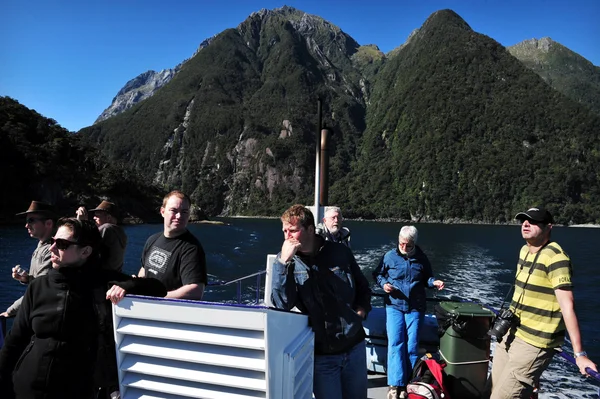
point(465, 346)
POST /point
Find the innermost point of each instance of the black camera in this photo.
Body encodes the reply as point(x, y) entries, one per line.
point(504, 321)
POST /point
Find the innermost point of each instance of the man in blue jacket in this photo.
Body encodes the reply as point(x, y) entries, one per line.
point(322, 279)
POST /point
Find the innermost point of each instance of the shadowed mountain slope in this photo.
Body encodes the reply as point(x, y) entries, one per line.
point(40, 160)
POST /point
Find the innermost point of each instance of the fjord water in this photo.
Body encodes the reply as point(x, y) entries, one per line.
point(477, 262)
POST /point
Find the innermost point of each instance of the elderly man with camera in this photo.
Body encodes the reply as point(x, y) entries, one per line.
point(542, 309)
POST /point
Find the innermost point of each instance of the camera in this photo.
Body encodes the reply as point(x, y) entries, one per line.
point(504, 321)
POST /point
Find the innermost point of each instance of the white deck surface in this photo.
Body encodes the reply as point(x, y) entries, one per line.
point(377, 386)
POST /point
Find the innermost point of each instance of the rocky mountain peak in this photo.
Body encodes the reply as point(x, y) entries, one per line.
point(562, 68)
point(136, 90)
point(311, 27)
point(544, 44)
point(144, 86)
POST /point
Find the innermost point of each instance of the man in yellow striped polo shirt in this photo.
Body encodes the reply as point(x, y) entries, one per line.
point(544, 308)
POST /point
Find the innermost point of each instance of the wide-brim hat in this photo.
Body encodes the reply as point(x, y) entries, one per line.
point(42, 208)
point(537, 214)
point(108, 207)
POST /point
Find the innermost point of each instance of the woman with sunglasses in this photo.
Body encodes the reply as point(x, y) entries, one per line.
point(404, 273)
point(61, 344)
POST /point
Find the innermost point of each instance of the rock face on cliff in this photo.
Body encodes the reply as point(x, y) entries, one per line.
point(136, 90)
point(561, 68)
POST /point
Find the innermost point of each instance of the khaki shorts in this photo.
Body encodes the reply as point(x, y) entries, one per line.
point(517, 368)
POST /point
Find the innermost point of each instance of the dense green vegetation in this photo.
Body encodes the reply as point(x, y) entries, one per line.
point(561, 68)
point(451, 127)
point(458, 128)
point(40, 160)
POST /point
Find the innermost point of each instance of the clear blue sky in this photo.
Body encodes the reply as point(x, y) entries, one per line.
point(67, 59)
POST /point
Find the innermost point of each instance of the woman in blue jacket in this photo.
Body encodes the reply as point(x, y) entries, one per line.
point(403, 273)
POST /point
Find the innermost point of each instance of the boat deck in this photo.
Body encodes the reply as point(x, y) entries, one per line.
point(377, 388)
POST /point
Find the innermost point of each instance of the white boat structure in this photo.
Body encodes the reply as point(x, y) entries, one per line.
point(190, 349)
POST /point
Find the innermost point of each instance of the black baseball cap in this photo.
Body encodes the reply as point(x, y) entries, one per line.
point(536, 214)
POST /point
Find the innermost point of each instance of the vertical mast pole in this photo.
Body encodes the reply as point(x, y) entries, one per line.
point(318, 162)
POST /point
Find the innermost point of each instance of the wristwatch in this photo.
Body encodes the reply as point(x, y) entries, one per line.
point(578, 354)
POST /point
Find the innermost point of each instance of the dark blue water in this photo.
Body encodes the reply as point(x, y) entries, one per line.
point(476, 261)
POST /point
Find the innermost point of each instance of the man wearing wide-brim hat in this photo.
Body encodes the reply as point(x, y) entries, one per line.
point(114, 239)
point(40, 222)
point(543, 309)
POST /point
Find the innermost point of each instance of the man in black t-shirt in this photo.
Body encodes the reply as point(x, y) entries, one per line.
point(175, 256)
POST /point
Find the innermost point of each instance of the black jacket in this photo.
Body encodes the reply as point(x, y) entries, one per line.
point(62, 332)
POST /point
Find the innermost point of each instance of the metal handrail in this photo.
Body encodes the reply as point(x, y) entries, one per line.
point(238, 281)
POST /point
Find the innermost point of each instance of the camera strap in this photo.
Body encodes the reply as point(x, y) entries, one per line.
point(537, 254)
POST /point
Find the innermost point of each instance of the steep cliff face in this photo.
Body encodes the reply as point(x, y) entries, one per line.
point(563, 69)
point(215, 129)
point(142, 87)
point(137, 89)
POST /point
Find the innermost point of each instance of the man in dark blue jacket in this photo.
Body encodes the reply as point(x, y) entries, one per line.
point(322, 279)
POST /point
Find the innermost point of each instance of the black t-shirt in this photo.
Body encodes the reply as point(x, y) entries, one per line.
point(175, 261)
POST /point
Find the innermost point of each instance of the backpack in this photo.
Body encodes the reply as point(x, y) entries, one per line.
point(427, 381)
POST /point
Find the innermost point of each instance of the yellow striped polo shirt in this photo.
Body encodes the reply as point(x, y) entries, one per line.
point(534, 301)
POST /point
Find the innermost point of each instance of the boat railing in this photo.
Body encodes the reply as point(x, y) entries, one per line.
point(238, 283)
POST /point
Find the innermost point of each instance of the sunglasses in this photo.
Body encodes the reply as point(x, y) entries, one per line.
point(534, 222)
point(62, 244)
point(33, 220)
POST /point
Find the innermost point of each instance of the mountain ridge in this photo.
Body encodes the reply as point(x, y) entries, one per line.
point(451, 127)
point(562, 68)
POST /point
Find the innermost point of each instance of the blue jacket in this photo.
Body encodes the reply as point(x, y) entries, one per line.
point(409, 275)
point(329, 288)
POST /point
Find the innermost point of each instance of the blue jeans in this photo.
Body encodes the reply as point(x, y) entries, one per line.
point(403, 344)
point(342, 376)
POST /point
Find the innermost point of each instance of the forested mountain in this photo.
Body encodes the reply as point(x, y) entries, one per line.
point(40, 160)
point(561, 68)
point(449, 126)
point(459, 128)
point(235, 127)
